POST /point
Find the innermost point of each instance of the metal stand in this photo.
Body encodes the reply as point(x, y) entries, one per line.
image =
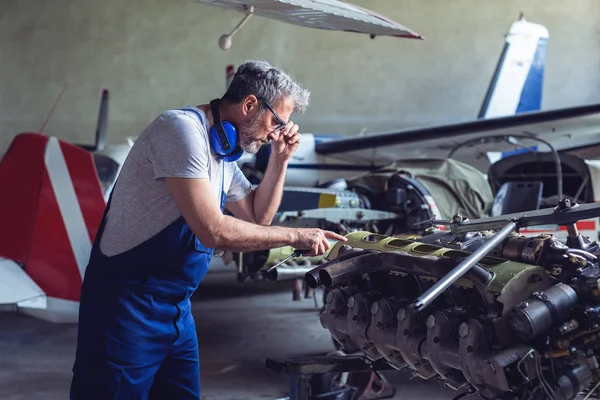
point(303, 369)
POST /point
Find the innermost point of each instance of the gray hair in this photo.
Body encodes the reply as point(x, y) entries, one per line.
point(259, 78)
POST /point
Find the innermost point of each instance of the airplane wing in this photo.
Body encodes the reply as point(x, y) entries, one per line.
point(320, 14)
point(563, 128)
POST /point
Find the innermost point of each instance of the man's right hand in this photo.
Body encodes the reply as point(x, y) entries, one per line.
point(315, 241)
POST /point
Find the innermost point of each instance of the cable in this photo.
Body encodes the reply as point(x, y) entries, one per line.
point(559, 182)
point(586, 254)
point(529, 135)
point(556, 161)
point(533, 393)
point(545, 385)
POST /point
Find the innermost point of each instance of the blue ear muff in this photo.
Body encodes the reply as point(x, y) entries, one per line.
point(223, 136)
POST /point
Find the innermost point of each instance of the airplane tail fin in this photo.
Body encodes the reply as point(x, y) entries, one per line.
point(100, 143)
point(517, 82)
point(100, 139)
point(50, 215)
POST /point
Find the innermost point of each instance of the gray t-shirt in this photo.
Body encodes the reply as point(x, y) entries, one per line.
point(175, 144)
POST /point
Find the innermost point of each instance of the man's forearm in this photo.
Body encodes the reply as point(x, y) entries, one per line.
point(236, 235)
point(267, 196)
point(218, 231)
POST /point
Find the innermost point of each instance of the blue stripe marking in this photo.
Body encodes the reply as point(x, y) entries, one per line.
point(326, 138)
point(341, 167)
point(531, 96)
point(518, 151)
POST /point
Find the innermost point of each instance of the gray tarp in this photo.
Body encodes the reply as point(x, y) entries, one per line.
point(454, 186)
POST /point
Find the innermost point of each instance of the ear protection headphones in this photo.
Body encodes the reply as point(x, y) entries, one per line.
point(223, 136)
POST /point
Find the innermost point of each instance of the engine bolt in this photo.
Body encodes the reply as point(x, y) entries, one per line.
point(431, 322)
point(374, 308)
point(463, 330)
point(401, 314)
point(351, 302)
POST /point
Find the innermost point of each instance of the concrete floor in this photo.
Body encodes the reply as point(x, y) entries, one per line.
point(239, 326)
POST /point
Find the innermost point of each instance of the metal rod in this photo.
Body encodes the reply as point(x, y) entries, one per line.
point(433, 292)
point(289, 273)
point(592, 391)
point(300, 386)
point(296, 253)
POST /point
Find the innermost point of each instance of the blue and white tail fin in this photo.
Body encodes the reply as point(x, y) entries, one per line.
point(517, 83)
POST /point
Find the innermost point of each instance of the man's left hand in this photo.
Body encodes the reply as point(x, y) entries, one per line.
point(288, 141)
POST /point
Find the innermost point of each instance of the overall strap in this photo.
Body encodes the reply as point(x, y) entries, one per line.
point(202, 122)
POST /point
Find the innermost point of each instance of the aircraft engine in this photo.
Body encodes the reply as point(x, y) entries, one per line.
point(522, 323)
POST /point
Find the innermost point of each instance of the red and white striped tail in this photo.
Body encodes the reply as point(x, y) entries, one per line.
point(51, 208)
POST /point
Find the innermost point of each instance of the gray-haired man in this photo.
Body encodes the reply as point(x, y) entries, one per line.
point(137, 336)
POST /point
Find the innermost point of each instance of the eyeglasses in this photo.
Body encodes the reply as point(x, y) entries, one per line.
point(280, 123)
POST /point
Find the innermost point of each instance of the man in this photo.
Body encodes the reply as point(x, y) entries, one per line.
point(137, 336)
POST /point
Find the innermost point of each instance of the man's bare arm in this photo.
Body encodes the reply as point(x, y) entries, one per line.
point(244, 208)
point(200, 210)
point(267, 197)
point(261, 204)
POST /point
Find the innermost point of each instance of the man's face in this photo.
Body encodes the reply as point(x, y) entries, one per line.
point(257, 129)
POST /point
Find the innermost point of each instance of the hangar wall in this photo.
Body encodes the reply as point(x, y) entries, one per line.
point(158, 54)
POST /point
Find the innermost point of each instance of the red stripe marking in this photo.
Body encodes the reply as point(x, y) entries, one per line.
point(587, 225)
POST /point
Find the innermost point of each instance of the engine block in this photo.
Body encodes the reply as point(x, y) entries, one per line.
point(522, 323)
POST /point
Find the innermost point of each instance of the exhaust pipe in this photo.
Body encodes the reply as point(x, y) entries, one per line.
point(313, 277)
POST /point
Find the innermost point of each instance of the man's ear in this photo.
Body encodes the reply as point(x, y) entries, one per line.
point(250, 104)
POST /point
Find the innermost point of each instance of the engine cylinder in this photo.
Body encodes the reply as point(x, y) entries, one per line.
point(384, 327)
point(359, 325)
point(542, 311)
point(412, 340)
point(442, 348)
point(334, 317)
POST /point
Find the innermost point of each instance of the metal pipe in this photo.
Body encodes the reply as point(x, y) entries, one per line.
point(288, 273)
point(312, 276)
point(433, 292)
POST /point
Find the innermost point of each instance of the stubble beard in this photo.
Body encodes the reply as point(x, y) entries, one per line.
point(249, 139)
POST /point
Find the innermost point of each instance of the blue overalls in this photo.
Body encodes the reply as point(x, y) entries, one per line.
point(136, 335)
